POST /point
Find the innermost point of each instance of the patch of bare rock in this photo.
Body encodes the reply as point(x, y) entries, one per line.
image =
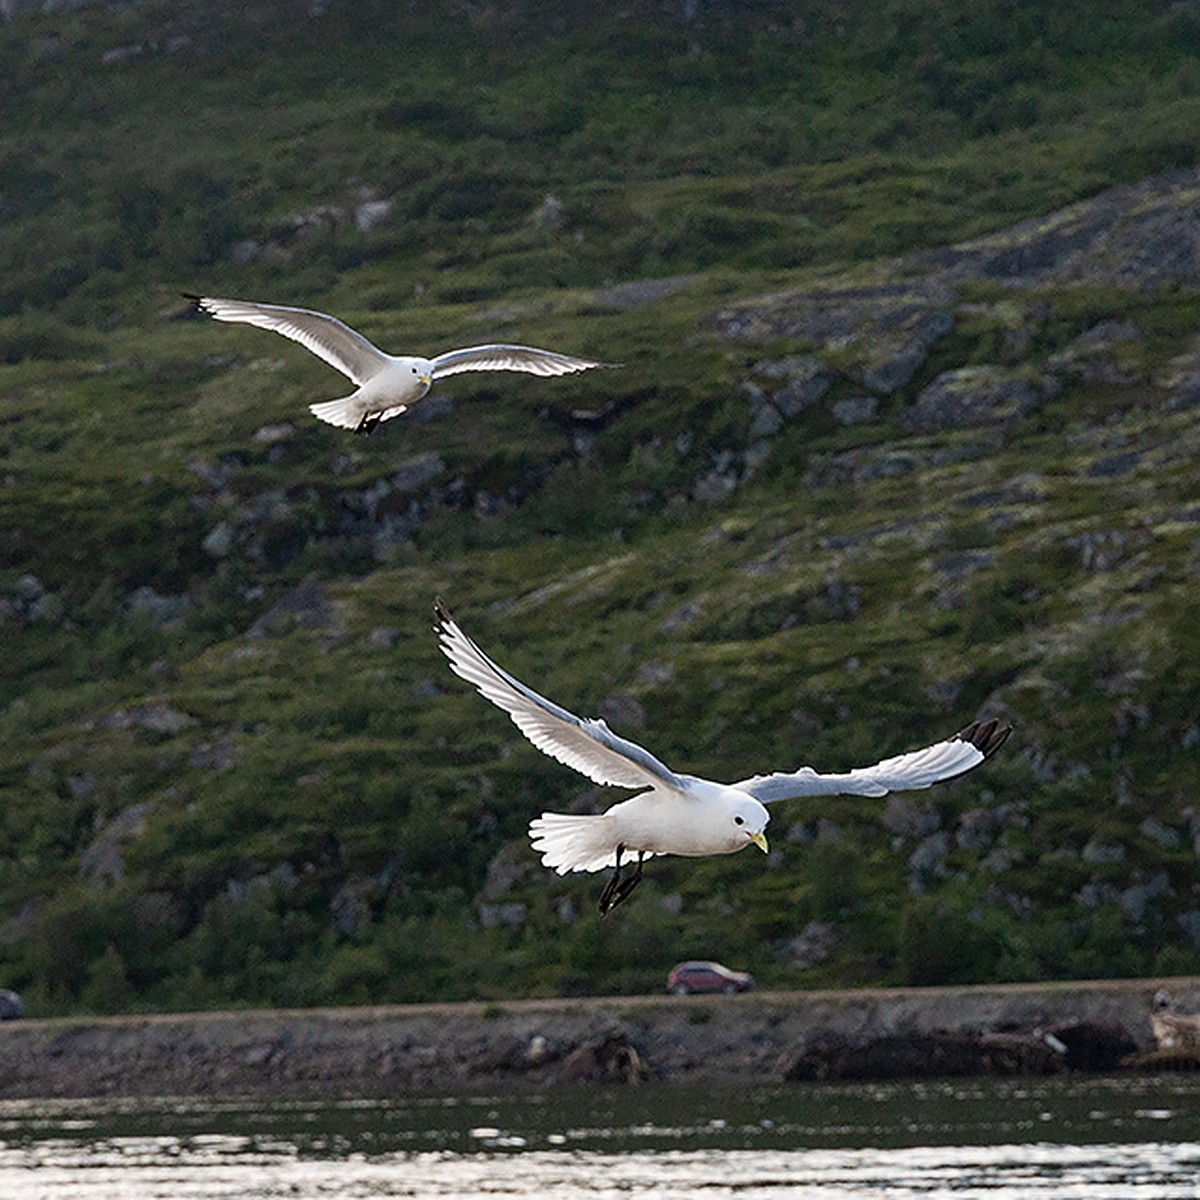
point(725, 1041)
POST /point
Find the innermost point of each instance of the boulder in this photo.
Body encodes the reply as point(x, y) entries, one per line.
point(983, 395)
point(612, 1059)
point(927, 1055)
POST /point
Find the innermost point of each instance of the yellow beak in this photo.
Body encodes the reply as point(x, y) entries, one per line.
point(760, 840)
point(427, 380)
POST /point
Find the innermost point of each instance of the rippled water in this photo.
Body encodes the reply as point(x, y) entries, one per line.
point(1096, 1138)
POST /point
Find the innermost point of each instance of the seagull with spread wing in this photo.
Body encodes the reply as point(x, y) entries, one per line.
point(387, 384)
point(675, 813)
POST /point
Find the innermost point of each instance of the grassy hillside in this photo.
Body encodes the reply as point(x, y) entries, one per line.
point(835, 503)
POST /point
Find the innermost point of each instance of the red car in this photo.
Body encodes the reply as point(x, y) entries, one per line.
point(686, 978)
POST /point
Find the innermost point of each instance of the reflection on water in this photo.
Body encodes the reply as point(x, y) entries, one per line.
point(1136, 1139)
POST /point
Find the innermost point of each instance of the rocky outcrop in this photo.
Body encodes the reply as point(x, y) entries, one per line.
point(983, 395)
point(876, 329)
point(717, 1041)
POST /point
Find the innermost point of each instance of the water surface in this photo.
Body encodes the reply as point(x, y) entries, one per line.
point(1135, 1138)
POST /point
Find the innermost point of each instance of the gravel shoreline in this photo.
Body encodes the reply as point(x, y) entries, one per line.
point(475, 1047)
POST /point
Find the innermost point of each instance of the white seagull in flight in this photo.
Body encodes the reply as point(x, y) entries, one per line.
point(388, 384)
point(678, 814)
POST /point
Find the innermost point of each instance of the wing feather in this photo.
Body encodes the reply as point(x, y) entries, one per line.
point(339, 345)
point(589, 747)
point(905, 772)
point(509, 358)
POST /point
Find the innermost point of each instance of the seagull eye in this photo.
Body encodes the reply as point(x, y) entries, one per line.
point(739, 820)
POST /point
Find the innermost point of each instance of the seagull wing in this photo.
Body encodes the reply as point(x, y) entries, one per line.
point(590, 747)
point(509, 358)
point(325, 336)
point(906, 772)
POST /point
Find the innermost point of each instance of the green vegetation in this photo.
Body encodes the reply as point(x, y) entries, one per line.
point(234, 768)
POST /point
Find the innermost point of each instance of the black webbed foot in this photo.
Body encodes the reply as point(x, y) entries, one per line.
point(619, 885)
point(368, 424)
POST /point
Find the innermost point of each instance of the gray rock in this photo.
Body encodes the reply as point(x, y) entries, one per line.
point(1114, 465)
point(928, 860)
point(548, 214)
point(417, 472)
point(1089, 356)
point(1100, 852)
point(765, 418)
point(1096, 893)
point(642, 291)
point(491, 915)
point(1141, 235)
point(805, 382)
point(680, 618)
point(813, 944)
point(655, 674)
point(160, 609)
point(28, 588)
point(508, 867)
point(219, 541)
point(350, 905)
point(801, 366)
point(244, 252)
point(323, 216)
point(371, 214)
point(1100, 549)
point(999, 860)
point(984, 395)
point(963, 562)
point(1189, 922)
point(47, 608)
point(11, 1008)
point(977, 829)
point(82, 787)
point(714, 485)
point(1136, 901)
point(1186, 393)
point(102, 862)
point(1156, 831)
point(157, 717)
point(905, 817)
point(269, 434)
point(855, 410)
point(305, 607)
point(220, 755)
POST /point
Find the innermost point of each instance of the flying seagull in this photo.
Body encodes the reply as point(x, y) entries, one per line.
point(387, 384)
point(675, 813)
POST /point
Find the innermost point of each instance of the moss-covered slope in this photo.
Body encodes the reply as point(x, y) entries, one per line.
point(834, 505)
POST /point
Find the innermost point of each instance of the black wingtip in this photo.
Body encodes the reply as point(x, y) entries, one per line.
point(986, 736)
point(193, 297)
point(442, 613)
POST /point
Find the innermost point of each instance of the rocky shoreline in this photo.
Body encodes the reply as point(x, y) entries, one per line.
point(712, 1041)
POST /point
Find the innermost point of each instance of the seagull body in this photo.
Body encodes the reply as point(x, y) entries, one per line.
point(674, 813)
point(387, 384)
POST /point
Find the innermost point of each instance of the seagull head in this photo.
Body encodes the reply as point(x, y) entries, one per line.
point(422, 373)
point(749, 820)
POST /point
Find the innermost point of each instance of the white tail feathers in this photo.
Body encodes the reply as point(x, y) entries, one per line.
point(342, 413)
point(349, 412)
point(574, 843)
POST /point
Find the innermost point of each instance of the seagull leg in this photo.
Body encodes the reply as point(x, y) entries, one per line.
point(368, 423)
point(619, 886)
point(614, 880)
